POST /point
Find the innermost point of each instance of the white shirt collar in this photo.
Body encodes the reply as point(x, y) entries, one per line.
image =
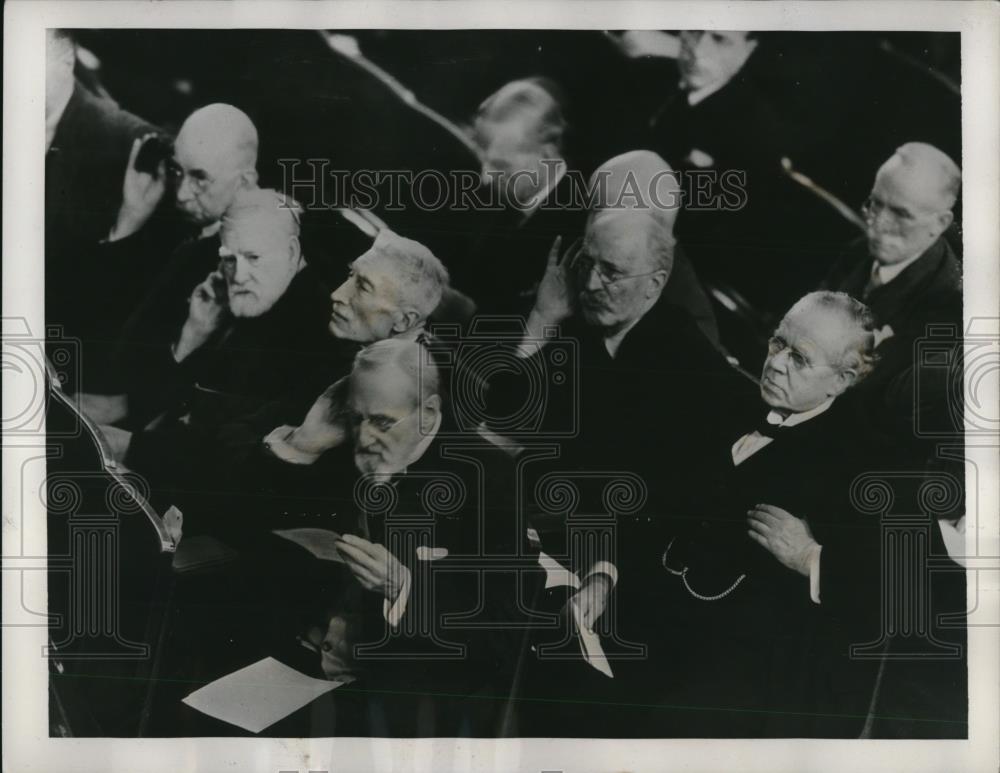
point(59, 107)
point(792, 419)
point(887, 273)
point(700, 95)
point(539, 198)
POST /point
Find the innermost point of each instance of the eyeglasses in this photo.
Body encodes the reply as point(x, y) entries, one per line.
point(200, 181)
point(776, 345)
point(381, 424)
point(608, 279)
point(871, 208)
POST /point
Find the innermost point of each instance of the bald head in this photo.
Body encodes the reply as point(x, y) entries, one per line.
point(638, 180)
point(216, 153)
point(911, 201)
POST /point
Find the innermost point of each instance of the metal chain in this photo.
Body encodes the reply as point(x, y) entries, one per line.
point(682, 573)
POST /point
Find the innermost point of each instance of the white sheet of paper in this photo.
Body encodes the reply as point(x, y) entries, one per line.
point(259, 695)
point(590, 646)
point(322, 543)
point(555, 573)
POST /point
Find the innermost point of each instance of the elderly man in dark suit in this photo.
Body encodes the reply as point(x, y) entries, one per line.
point(779, 570)
point(908, 275)
point(427, 528)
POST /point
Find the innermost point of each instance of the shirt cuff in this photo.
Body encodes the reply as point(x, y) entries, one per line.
point(394, 612)
point(814, 573)
point(277, 443)
point(603, 567)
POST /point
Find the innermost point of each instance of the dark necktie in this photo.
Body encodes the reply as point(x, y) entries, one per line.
point(766, 429)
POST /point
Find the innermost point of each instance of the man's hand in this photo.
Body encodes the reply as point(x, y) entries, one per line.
point(592, 599)
point(206, 310)
point(325, 426)
point(786, 537)
point(118, 441)
point(141, 193)
point(373, 565)
point(556, 295)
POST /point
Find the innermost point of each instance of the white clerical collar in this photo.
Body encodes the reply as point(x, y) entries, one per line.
point(792, 419)
point(539, 198)
point(887, 273)
point(59, 107)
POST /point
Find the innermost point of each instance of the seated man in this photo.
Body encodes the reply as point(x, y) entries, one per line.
point(779, 571)
point(532, 193)
point(214, 158)
point(908, 275)
point(250, 326)
point(640, 179)
point(426, 528)
point(647, 378)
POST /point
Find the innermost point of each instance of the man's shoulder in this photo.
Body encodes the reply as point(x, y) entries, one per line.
point(100, 122)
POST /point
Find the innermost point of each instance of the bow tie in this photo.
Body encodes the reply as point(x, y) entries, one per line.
point(766, 429)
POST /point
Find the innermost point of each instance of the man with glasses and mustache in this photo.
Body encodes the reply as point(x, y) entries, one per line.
point(907, 273)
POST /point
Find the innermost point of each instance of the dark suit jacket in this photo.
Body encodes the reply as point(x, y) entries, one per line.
point(459, 495)
point(926, 293)
point(245, 365)
point(84, 169)
point(777, 647)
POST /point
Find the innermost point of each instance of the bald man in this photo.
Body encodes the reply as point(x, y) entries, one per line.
point(615, 184)
point(906, 272)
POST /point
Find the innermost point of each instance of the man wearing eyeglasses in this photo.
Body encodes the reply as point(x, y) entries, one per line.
point(777, 572)
point(907, 273)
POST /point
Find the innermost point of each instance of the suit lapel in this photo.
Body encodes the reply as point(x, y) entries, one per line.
point(890, 300)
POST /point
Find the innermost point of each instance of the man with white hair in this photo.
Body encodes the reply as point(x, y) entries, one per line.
point(778, 570)
point(906, 272)
point(251, 324)
point(426, 528)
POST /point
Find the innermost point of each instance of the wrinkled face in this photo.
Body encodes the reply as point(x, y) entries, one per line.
point(206, 180)
point(905, 214)
point(712, 57)
point(366, 307)
point(384, 419)
point(802, 366)
point(512, 162)
point(615, 275)
point(259, 261)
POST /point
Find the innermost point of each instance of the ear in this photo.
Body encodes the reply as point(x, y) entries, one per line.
point(656, 283)
point(248, 178)
point(429, 413)
point(844, 381)
point(295, 250)
point(405, 320)
point(945, 219)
